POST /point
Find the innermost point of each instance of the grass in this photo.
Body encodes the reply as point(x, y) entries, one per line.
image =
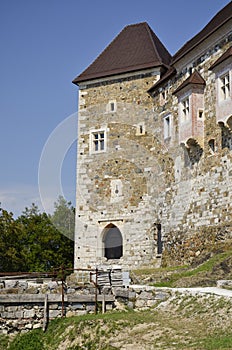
point(188, 322)
point(201, 270)
point(185, 324)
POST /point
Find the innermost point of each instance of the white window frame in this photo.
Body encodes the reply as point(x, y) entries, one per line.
point(98, 141)
point(167, 125)
point(140, 129)
point(224, 86)
point(185, 109)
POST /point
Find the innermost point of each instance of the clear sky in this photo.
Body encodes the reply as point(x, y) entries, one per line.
point(45, 44)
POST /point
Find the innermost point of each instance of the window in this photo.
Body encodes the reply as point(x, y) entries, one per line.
point(167, 127)
point(212, 145)
point(185, 108)
point(111, 106)
point(163, 97)
point(98, 141)
point(140, 129)
point(200, 114)
point(225, 86)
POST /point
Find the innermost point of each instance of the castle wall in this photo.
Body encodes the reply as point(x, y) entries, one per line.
point(142, 179)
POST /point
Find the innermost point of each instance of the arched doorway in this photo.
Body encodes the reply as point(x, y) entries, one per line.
point(112, 241)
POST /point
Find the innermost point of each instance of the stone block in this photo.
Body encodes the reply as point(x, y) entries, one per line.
point(78, 306)
point(54, 313)
point(29, 313)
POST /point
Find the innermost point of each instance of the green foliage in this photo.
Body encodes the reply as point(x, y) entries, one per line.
point(28, 341)
point(63, 217)
point(186, 329)
point(202, 269)
point(32, 242)
point(4, 341)
point(217, 342)
point(11, 233)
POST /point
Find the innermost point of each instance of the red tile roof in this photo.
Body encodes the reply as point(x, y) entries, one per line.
point(136, 47)
point(217, 21)
point(223, 57)
point(195, 79)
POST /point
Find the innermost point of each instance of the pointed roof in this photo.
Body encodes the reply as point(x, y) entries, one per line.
point(194, 79)
point(216, 22)
point(136, 47)
point(223, 57)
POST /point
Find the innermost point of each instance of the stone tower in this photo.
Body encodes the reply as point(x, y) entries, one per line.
point(115, 219)
point(154, 165)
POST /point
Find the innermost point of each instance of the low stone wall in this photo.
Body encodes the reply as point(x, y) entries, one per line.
point(140, 297)
point(26, 305)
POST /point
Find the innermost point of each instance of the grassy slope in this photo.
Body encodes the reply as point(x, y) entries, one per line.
point(218, 267)
point(186, 322)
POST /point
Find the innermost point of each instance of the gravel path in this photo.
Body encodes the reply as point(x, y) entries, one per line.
point(193, 291)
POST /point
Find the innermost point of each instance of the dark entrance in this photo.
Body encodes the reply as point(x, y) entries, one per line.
point(159, 239)
point(112, 240)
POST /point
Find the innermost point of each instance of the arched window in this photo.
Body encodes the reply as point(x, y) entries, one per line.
point(112, 240)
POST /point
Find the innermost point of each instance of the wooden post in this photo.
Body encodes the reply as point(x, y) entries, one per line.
point(62, 290)
point(96, 286)
point(103, 303)
point(45, 319)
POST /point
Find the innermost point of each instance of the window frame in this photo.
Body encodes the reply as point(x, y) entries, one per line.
point(167, 126)
point(97, 139)
point(224, 86)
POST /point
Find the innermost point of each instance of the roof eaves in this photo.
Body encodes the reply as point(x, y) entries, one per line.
point(80, 79)
point(168, 74)
point(194, 79)
point(225, 55)
point(197, 42)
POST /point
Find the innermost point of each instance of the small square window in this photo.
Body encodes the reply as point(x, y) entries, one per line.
point(98, 141)
point(111, 106)
point(140, 129)
point(200, 114)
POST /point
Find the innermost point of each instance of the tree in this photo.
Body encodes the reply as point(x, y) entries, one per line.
point(11, 235)
point(44, 247)
point(64, 217)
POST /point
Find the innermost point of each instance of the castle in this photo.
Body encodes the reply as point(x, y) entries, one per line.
point(154, 168)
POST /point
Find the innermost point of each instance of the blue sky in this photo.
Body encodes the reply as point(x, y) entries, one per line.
point(44, 45)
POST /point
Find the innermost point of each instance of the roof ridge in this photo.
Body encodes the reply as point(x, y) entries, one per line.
point(148, 28)
point(185, 49)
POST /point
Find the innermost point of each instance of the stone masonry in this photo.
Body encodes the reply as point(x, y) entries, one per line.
point(154, 153)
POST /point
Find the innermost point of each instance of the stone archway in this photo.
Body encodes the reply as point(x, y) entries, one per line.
point(112, 242)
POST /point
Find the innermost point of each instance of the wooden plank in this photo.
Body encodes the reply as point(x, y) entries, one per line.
point(52, 298)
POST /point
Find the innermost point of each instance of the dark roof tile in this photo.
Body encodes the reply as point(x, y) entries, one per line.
point(136, 47)
point(194, 79)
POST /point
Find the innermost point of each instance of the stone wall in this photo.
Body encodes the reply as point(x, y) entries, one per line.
point(181, 186)
point(26, 305)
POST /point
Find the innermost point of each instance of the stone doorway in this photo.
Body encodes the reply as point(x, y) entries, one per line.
point(112, 242)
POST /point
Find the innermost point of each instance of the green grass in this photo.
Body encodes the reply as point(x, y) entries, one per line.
point(186, 329)
point(193, 272)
